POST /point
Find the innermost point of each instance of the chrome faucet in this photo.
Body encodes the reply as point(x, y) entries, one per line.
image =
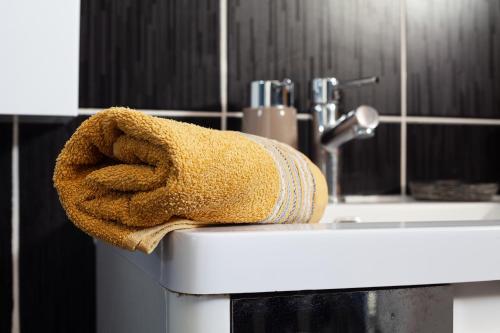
point(332, 127)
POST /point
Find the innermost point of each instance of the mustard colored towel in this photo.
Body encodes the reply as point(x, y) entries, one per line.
point(129, 179)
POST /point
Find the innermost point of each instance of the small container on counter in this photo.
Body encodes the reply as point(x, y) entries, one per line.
point(271, 113)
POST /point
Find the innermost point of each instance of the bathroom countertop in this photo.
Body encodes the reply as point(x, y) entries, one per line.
point(266, 258)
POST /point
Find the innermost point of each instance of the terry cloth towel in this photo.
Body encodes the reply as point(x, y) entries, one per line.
point(129, 179)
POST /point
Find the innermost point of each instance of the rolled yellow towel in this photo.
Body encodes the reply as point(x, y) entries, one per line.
point(129, 179)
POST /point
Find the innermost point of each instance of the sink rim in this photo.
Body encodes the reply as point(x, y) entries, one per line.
point(402, 199)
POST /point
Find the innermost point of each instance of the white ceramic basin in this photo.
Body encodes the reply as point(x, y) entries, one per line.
point(410, 211)
point(444, 243)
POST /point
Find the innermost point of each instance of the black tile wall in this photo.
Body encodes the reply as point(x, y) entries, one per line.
point(454, 58)
point(57, 274)
point(208, 122)
point(307, 39)
point(368, 166)
point(371, 166)
point(5, 227)
point(440, 152)
point(234, 124)
point(305, 137)
point(150, 54)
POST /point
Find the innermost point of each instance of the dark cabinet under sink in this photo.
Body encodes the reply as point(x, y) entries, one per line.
point(399, 310)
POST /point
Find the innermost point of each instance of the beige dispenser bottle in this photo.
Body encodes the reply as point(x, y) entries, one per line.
point(271, 113)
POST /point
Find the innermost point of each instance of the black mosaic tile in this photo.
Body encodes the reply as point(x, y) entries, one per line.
point(303, 40)
point(371, 166)
point(150, 54)
point(57, 264)
point(454, 58)
point(452, 152)
point(5, 227)
point(209, 122)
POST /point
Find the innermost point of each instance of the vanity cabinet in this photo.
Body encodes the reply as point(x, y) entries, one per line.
point(344, 277)
point(39, 43)
point(130, 299)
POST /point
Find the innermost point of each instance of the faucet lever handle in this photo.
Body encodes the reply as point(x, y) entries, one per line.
point(328, 89)
point(358, 82)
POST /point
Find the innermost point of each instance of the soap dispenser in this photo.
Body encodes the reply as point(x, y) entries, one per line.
point(271, 113)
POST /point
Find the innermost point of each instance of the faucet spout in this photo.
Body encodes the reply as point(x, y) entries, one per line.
point(357, 124)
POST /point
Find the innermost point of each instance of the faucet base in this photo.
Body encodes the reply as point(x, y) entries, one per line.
point(336, 199)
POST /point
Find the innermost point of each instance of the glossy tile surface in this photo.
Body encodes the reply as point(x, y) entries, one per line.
point(5, 226)
point(440, 152)
point(372, 166)
point(303, 40)
point(454, 58)
point(208, 122)
point(57, 265)
point(150, 54)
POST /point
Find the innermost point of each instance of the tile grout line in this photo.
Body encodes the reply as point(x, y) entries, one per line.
point(451, 121)
point(223, 62)
point(390, 119)
point(307, 116)
point(404, 78)
point(165, 113)
point(15, 323)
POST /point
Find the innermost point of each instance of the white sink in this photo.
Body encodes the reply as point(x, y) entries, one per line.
point(441, 243)
point(394, 244)
point(394, 210)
